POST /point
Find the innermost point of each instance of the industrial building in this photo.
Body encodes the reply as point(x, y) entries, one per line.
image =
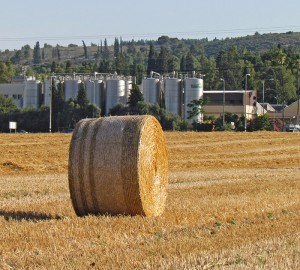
point(103, 90)
point(178, 93)
point(107, 90)
point(238, 102)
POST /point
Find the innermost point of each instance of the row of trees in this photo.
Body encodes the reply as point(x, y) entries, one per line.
point(279, 64)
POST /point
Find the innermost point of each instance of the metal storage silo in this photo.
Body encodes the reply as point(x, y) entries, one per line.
point(115, 93)
point(31, 94)
point(71, 89)
point(98, 86)
point(47, 91)
point(173, 95)
point(150, 90)
point(193, 90)
point(47, 97)
point(93, 91)
point(128, 88)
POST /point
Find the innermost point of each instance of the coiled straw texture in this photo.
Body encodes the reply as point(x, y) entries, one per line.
point(118, 165)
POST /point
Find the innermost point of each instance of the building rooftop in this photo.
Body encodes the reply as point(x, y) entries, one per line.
point(226, 91)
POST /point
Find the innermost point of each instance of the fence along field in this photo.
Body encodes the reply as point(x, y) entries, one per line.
point(233, 202)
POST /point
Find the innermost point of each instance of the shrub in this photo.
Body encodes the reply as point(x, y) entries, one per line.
point(204, 126)
point(167, 120)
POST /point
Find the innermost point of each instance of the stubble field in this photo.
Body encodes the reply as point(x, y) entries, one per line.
point(233, 203)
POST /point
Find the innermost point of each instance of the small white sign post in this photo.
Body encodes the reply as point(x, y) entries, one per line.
point(12, 125)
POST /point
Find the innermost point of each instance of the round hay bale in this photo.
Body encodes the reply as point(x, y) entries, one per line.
point(118, 165)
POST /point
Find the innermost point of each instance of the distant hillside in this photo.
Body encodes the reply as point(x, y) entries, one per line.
point(257, 42)
point(178, 47)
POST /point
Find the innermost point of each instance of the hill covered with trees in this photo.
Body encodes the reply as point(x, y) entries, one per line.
point(264, 56)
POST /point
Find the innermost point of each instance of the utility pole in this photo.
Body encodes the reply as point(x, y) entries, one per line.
point(283, 91)
point(223, 80)
point(298, 91)
point(245, 102)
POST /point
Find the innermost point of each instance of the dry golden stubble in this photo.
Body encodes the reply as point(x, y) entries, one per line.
point(239, 217)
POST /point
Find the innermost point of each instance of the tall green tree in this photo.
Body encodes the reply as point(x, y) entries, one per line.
point(7, 105)
point(190, 66)
point(16, 59)
point(152, 56)
point(37, 59)
point(69, 68)
point(85, 50)
point(53, 67)
point(106, 53)
point(135, 96)
point(212, 80)
point(183, 63)
point(6, 72)
point(55, 104)
point(196, 107)
point(138, 71)
point(116, 47)
point(230, 66)
point(82, 96)
point(105, 67)
point(121, 45)
point(26, 51)
point(121, 65)
point(58, 53)
point(280, 71)
point(163, 60)
point(174, 63)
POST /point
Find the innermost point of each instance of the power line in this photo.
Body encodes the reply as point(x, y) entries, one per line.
point(155, 34)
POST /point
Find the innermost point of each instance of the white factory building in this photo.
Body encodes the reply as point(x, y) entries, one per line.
point(104, 91)
point(108, 90)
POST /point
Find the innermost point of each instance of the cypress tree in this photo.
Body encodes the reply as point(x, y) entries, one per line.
point(58, 52)
point(105, 50)
point(183, 63)
point(37, 53)
point(85, 50)
point(151, 59)
point(190, 66)
point(116, 47)
point(163, 60)
point(82, 96)
point(135, 96)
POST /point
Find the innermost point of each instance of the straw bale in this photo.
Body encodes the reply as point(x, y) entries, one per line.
point(118, 165)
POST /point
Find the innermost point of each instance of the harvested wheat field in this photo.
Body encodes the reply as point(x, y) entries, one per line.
point(233, 203)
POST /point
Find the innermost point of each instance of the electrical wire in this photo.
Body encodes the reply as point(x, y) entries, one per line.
point(157, 34)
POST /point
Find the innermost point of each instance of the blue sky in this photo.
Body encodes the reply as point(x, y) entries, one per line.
point(65, 21)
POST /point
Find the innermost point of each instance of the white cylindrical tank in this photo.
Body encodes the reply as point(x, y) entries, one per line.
point(193, 90)
point(31, 94)
point(115, 93)
point(93, 91)
point(173, 95)
point(71, 89)
point(150, 90)
point(128, 88)
point(47, 91)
